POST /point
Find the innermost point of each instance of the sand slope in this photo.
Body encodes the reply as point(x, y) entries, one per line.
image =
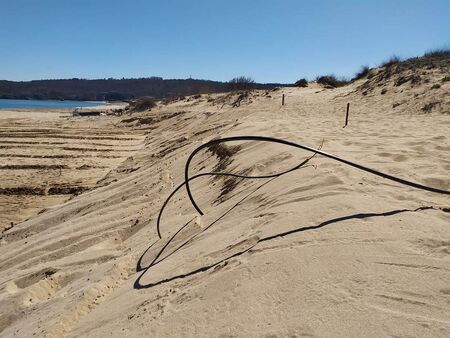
point(323, 251)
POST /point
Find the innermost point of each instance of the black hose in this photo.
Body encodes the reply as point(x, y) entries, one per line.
point(296, 145)
point(158, 222)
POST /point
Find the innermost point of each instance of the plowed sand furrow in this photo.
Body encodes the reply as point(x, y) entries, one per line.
point(68, 136)
point(79, 142)
point(86, 149)
point(28, 155)
point(65, 156)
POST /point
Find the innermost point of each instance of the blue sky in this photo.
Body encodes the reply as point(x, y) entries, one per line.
point(270, 41)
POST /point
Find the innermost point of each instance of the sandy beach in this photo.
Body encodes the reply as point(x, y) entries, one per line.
point(326, 250)
point(46, 156)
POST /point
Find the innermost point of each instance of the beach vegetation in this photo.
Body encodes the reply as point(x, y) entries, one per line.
point(142, 104)
point(393, 60)
point(241, 83)
point(301, 83)
point(362, 73)
point(440, 52)
point(331, 81)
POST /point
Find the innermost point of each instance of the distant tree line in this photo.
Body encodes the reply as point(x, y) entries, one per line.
point(119, 89)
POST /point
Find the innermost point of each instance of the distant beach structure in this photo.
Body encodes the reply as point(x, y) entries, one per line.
point(79, 112)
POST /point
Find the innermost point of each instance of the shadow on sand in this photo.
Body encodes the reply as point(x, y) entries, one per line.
point(157, 259)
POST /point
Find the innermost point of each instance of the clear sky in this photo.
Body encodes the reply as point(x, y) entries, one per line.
point(268, 40)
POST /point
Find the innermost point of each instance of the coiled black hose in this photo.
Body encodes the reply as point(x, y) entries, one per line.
point(296, 145)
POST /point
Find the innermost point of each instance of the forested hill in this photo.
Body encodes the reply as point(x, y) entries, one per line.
point(111, 89)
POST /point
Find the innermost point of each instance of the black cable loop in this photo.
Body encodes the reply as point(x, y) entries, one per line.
point(296, 145)
point(298, 166)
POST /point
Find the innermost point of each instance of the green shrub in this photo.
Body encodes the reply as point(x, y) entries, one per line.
point(331, 81)
point(443, 52)
point(362, 73)
point(393, 60)
point(301, 83)
point(241, 83)
point(145, 103)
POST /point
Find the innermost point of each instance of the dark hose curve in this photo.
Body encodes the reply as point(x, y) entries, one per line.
point(296, 145)
point(298, 166)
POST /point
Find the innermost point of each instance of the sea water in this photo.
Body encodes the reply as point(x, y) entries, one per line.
point(13, 104)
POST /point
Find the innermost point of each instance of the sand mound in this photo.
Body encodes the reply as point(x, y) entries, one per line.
point(416, 84)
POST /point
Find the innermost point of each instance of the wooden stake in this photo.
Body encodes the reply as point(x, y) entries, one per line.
point(346, 115)
point(282, 100)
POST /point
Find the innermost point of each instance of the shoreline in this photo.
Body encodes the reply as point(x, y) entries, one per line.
point(104, 106)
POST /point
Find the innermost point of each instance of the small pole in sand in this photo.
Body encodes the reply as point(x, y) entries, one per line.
point(282, 100)
point(346, 115)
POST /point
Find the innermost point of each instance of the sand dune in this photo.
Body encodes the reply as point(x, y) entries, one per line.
point(326, 250)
